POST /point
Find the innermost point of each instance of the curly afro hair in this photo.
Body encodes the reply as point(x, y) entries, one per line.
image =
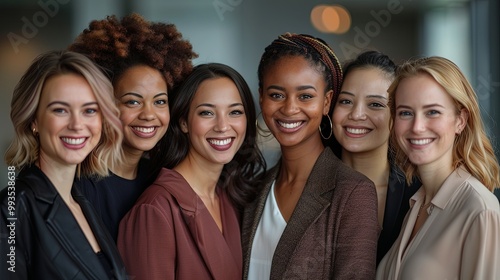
point(118, 45)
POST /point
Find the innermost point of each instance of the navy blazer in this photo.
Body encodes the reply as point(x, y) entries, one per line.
point(396, 206)
point(49, 243)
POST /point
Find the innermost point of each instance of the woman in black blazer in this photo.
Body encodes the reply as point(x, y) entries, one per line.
point(66, 125)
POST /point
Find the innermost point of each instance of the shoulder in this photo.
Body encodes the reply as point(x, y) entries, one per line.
point(477, 195)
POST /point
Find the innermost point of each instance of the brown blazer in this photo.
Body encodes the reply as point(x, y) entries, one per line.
point(333, 231)
point(169, 234)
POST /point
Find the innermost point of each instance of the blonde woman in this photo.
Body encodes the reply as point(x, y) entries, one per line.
point(452, 228)
point(66, 125)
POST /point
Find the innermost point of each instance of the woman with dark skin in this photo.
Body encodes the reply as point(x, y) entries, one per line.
point(145, 61)
point(315, 217)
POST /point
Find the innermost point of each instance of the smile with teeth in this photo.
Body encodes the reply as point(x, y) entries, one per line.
point(220, 142)
point(420, 141)
point(144, 129)
point(73, 141)
point(289, 125)
point(357, 130)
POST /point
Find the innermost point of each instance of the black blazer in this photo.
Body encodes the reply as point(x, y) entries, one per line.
point(49, 243)
point(396, 206)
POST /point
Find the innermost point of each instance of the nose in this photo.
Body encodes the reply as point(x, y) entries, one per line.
point(147, 113)
point(290, 107)
point(418, 124)
point(222, 124)
point(358, 113)
point(75, 122)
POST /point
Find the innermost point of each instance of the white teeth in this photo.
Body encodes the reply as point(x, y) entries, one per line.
point(144, 129)
point(420, 141)
point(220, 142)
point(290, 125)
point(357, 130)
point(73, 141)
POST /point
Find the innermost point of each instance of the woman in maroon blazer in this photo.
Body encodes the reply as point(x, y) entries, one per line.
point(186, 225)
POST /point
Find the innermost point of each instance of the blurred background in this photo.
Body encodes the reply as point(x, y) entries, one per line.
point(235, 32)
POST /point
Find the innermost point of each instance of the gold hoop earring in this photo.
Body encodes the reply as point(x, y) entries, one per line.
point(331, 129)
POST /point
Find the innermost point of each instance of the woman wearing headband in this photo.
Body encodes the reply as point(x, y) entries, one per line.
point(315, 218)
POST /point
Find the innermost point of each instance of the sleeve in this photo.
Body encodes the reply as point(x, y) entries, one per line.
point(146, 243)
point(481, 249)
point(356, 255)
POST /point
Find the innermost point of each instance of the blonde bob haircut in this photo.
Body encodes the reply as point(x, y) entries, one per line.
point(25, 147)
point(472, 148)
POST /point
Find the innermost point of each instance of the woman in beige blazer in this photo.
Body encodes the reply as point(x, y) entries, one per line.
point(452, 228)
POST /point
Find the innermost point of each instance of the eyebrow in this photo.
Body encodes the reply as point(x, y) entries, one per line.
point(140, 96)
point(213, 106)
point(298, 88)
point(67, 104)
point(369, 96)
point(425, 106)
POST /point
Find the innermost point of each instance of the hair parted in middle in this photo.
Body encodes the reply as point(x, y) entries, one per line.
point(118, 45)
point(240, 176)
point(315, 50)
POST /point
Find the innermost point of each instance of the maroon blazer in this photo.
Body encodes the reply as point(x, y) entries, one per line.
point(169, 234)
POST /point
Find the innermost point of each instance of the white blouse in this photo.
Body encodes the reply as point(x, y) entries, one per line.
point(269, 231)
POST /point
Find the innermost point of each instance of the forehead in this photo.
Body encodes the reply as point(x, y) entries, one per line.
point(422, 90)
point(67, 87)
point(294, 70)
point(219, 91)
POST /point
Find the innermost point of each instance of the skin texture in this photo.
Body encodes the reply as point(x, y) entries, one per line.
point(143, 102)
point(361, 116)
point(216, 122)
point(293, 100)
point(68, 121)
point(426, 122)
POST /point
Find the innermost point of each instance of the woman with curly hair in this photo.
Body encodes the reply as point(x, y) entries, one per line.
point(452, 228)
point(186, 225)
point(144, 61)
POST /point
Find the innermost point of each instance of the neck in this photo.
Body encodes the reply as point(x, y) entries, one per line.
point(374, 164)
point(61, 176)
point(128, 167)
point(202, 177)
point(432, 178)
point(297, 162)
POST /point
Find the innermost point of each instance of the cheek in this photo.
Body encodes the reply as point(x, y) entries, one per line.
point(338, 115)
point(164, 116)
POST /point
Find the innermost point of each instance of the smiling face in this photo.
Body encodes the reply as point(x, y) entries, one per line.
point(143, 102)
point(361, 116)
point(426, 121)
point(67, 120)
point(216, 124)
point(293, 100)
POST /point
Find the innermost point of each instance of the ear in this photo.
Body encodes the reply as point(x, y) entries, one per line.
point(34, 125)
point(461, 121)
point(183, 125)
point(328, 102)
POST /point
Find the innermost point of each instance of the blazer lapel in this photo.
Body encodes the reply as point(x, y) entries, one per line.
point(309, 207)
point(104, 239)
point(72, 240)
